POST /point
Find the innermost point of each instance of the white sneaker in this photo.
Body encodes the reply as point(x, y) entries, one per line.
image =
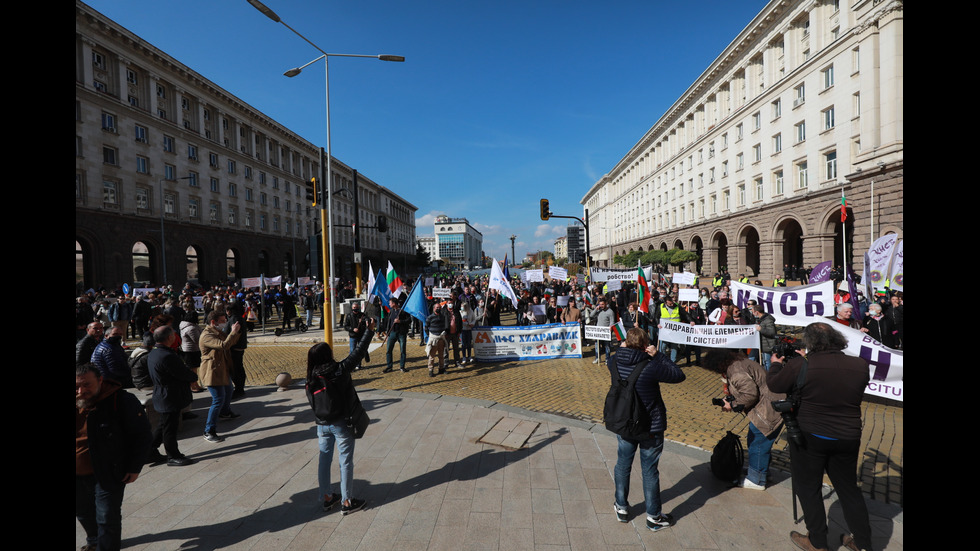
point(749, 485)
point(595, 361)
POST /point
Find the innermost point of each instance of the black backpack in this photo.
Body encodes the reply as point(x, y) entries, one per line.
point(624, 413)
point(727, 458)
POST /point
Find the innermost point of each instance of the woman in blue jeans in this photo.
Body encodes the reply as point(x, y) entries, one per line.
point(329, 389)
point(746, 391)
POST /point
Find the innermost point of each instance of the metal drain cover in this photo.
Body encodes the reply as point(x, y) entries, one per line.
point(509, 433)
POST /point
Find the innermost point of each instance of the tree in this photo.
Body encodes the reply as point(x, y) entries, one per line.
point(422, 259)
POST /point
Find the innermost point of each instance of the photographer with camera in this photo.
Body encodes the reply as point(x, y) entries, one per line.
point(746, 392)
point(829, 418)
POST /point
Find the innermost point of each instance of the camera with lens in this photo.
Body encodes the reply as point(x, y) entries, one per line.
point(786, 347)
point(720, 403)
point(788, 409)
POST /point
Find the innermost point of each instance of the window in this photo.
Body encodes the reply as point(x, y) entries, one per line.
point(275, 182)
point(100, 86)
point(830, 161)
point(262, 221)
point(185, 104)
point(109, 193)
point(714, 204)
point(169, 203)
point(214, 212)
point(856, 59)
point(800, 95)
point(828, 118)
point(758, 189)
point(757, 121)
point(248, 172)
point(232, 190)
point(827, 75)
point(726, 200)
point(168, 144)
point(263, 199)
point(193, 207)
point(207, 114)
point(133, 100)
point(777, 182)
point(739, 162)
point(275, 201)
point(741, 195)
point(777, 143)
point(232, 216)
point(248, 194)
point(213, 160)
point(738, 132)
point(801, 176)
point(140, 133)
point(98, 60)
point(856, 104)
point(192, 152)
point(248, 218)
point(142, 164)
point(131, 77)
point(800, 131)
point(192, 179)
point(108, 155)
point(231, 166)
point(215, 185)
point(142, 199)
point(261, 178)
point(724, 169)
point(169, 172)
point(108, 122)
point(275, 224)
point(777, 109)
point(161, 91)
point(757, 153)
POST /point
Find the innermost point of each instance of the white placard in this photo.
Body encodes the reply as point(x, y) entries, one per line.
point(554, 272)
point(563, 300)
point(614, 285)
point(685, 278)
point(596, 333)
point(688, 295)
point(535, 275)
point(442, 292)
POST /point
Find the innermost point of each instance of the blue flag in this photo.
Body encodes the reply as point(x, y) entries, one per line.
point(506, 269)
point(381, 290)
point(415, 305)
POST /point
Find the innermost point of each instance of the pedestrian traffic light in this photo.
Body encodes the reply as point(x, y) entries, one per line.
point(545, 212)
point(311, 191)
point(382, 224)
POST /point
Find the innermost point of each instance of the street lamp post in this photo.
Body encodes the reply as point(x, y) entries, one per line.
point(328, 267)
point(513, 259)
point(163, 235)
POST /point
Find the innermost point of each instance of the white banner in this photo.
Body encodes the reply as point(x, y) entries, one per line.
point(887, 364)
point(273, 280)
point(613, 285)
point(685, 278)
point(612, 274)
point(531, 342)
point(249, 282)
point(806, 304)
point(878, 259)
point(688, 295)
point(789, 305)
point(143, 291)
point(304, 281)
point(712, 336)
point(534, 275)
point(898, 268)
point(554, 272)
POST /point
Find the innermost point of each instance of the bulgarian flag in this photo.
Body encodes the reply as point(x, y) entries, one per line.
point(587, 298)
point(843, 207)
point(394, 282)
point(618, 331)
point(642, 290)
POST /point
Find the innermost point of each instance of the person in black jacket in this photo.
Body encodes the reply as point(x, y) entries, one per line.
point(636, 350)
point(331, 422)
point(354, 327)
point(171, 393)
point(112, 440)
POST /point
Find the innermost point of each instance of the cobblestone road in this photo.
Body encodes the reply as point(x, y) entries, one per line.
point(576, 388)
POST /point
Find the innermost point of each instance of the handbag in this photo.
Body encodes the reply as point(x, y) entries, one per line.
point(358, 420)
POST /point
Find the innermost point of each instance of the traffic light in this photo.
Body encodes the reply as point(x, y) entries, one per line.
point(311, 193)
point(545, 212)
point(382, 224)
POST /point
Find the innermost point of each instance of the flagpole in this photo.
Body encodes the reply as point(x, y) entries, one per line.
point(843, 229)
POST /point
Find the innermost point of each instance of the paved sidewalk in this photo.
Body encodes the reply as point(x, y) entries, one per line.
point(430, 484)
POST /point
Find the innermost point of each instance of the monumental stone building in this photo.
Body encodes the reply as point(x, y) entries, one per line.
point(748, 167)
point(177, 179)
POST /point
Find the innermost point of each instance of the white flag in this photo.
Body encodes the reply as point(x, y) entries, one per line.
point(370, 283)
point(498, 282)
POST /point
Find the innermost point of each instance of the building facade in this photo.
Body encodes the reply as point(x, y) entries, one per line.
point(748, 167)
point(561, 247)
point(458, 242)
point(575, 237)
point(177, 179)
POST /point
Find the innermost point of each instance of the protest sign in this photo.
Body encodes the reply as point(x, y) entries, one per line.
point(711, 336)
point(596, 333)
point(554, 272)
point(531, 342)
point(685, 278)
point(789, 305)
point(442, 292)
point(685, 295)
point(535, 275)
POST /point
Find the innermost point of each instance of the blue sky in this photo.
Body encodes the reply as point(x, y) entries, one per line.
point(497, 105)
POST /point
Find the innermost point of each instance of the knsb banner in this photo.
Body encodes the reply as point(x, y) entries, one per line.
point(711, 336)
point(789, 305)
point(887, 364)
point(533, 342)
